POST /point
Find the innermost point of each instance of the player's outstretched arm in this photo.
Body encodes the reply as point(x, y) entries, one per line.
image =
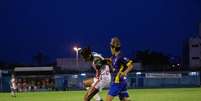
point(130, 66)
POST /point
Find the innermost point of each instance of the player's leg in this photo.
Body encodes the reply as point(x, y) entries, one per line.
point(13, 92)
point(90, 93)
point(97, 85)
point(109, 98)
point(113, 91)
point(88, 82)
point(123, 95)
point(102, 84)
point(97, 97)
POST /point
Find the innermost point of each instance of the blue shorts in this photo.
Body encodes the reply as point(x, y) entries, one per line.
point(118, 89)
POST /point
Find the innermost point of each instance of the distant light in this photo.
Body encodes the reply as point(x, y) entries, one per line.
point(173, 65)
point(138, 73)
point(193, 73)
point(76, 48)
point(75, 76)
point(83, 74)
point(178, 64)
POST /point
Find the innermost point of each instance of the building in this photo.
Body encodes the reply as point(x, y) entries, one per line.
point(195, 50)
point(70, 64)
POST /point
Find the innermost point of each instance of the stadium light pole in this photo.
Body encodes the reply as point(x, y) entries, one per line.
point(76, 49)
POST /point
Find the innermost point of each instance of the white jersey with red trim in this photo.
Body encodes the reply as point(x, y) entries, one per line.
point(105, 73)
point(103, 76)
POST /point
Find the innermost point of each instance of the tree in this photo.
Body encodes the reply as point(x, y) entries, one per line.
point(152, 60)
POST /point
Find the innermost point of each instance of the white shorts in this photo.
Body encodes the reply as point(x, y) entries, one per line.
point(13, 88)
point(101, 83)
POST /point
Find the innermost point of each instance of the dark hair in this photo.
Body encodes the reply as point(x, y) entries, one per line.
point(86, 54)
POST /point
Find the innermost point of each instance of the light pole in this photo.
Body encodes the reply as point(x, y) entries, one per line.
point(76, 49)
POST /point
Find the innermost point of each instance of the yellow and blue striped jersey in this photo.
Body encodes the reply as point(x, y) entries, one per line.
point(120, 64)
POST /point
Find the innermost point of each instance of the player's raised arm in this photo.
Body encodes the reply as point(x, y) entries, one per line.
point(130, 65)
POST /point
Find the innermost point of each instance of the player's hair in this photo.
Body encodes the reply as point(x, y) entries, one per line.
point(86, 54)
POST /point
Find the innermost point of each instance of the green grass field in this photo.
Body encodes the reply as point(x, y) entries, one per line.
point(172, 94)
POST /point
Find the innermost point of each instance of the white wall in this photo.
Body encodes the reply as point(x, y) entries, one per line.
point(195, 52)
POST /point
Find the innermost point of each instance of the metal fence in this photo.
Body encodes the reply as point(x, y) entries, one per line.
point(136, 80)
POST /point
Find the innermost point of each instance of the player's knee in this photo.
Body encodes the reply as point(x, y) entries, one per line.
point(109, 98)
point(86, 98)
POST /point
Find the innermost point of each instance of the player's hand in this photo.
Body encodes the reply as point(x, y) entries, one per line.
point(123, 74)
point(108, 60)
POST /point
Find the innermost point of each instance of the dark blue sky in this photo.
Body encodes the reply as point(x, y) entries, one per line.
point(55, 26)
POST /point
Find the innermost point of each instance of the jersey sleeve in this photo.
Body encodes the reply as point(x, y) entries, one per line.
point(98, 63)
point(125, 61)
point(123, 64)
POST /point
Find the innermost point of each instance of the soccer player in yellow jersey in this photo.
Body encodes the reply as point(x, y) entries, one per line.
point(122, 66)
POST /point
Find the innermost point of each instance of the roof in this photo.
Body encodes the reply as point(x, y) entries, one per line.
point(27, 69)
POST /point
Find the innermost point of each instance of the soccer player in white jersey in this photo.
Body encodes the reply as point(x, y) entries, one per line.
point(102, 78)
point(13, 86)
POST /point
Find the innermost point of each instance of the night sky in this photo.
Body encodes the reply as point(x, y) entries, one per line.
point(55, 26)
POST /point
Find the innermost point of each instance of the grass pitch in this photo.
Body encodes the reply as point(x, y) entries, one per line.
point(172, 94)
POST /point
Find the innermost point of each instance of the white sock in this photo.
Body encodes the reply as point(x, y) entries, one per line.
point(12, 93)
point(97, 97)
